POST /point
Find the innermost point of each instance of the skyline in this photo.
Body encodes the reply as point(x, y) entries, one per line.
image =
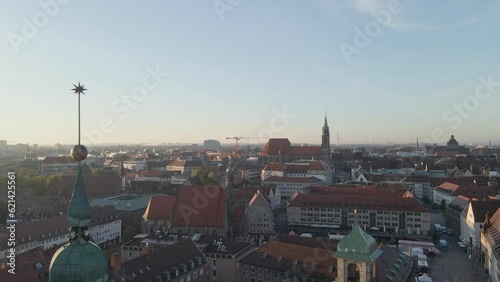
point(199, 72)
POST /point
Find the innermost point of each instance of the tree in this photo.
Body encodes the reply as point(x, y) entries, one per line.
point(52, 180)
point(426, 200)
point(96, 172)
point(128, 232)
point(206, 176)
point(443, 204)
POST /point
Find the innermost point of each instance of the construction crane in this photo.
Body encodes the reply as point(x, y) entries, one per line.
point(238, 139)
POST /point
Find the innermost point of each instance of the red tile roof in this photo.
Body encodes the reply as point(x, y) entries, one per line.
point(475, 191)
point(200, 206)
point(275, 167)
point(292, 179)
point(130, 175)
point(281, 257)
point(95, 186)
point(367, 202)
point(275, 145)
point(160, 207)
point(366, 190)
point(305, 150)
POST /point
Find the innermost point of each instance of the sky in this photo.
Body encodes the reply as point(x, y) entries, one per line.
point(185, 71)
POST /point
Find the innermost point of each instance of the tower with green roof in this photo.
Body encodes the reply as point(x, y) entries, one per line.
point(80, 259)
point(356, 255)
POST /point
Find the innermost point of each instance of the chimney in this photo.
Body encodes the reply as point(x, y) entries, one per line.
point(146, 250)
point(116, 261)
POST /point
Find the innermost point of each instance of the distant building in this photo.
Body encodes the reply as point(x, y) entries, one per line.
point(51, 165)
point(211, 145)
point(303, 169)
point(289, 185)
point(452, 149)
point(3, 144)
point(449, 191)
point(186, 167)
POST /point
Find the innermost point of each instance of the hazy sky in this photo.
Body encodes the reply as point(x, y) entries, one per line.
point(185, 71)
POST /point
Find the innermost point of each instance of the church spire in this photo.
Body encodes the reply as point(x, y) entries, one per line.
point(325, 142)
point(80, 259)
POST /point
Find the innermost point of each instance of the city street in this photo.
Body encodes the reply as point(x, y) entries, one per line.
point(454, 265)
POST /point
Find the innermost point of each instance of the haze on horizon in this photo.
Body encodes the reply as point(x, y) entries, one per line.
point(384, 71)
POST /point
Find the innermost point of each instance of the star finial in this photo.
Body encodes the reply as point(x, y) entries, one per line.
point(79, 89)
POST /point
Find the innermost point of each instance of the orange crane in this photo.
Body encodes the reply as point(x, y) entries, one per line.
point(236, 139)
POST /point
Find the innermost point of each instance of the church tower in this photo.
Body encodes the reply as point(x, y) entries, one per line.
point(325, 142)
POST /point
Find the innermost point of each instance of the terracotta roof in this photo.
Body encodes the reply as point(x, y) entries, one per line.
point(367, 202)
point(464, 180)
point(147, 266)
point(130, 175)
point(160, 207)
point(299, 260)
point(274, 167)
point(95, 186)
point(200, 206)
point(366, 190)
point(58, 160)
point(275, 145)
point(292, 179)
point(305, 150)
point(475, 191)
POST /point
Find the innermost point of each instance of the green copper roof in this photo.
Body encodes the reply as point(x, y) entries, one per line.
point(80, 260)
point(79, 208)
point(358, 245)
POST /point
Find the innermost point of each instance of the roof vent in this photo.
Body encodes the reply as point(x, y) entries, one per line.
point(295, 261)
point(279, 258)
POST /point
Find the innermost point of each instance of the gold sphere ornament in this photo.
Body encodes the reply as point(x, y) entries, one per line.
point(79, 153)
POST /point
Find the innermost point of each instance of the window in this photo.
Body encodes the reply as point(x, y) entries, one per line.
point(214, 262)
point(214, 273)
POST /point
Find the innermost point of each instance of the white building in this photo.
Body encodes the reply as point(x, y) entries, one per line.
point(472, 219)
point(303, 169)
point(289, 185)
point(105, 230)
